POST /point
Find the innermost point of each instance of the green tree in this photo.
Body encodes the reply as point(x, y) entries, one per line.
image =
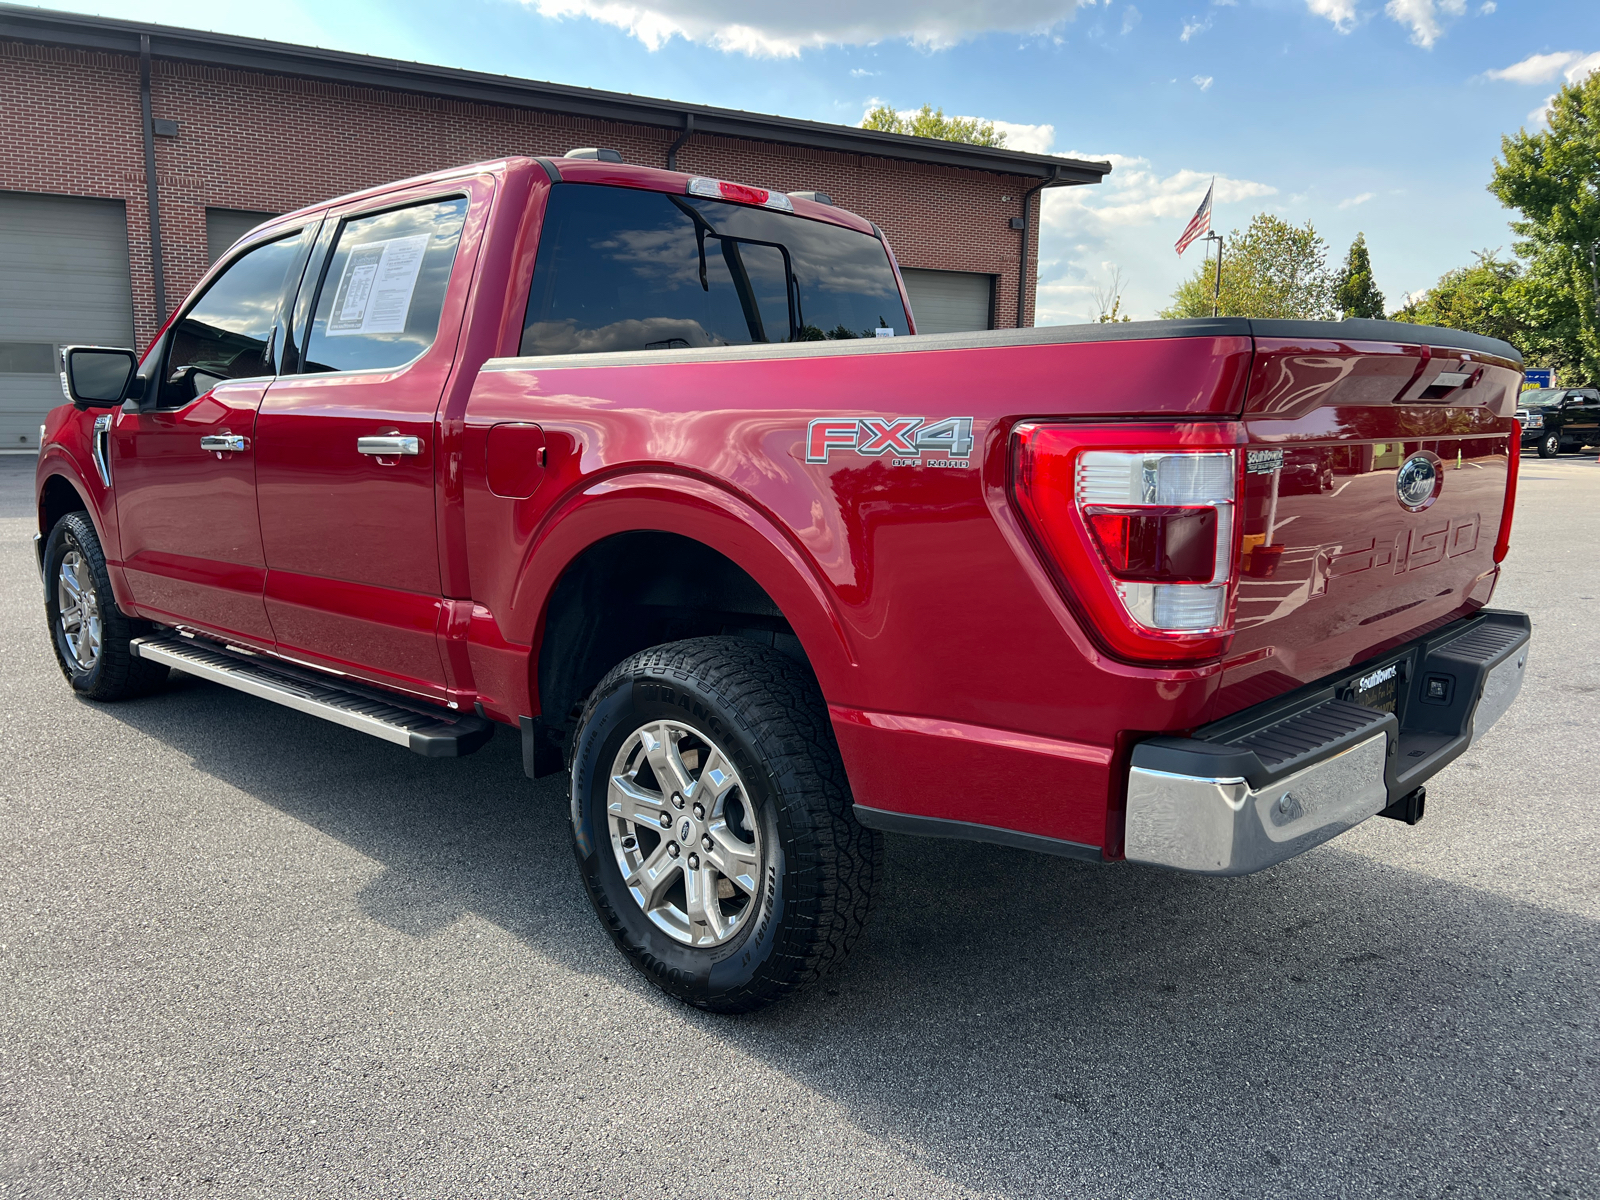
point(1356, 294)
point(929, 122)
point(1272, 269)
point(1553, 179)
point(1491, 297)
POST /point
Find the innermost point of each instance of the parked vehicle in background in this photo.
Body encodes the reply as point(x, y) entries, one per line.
point(649, 468)
point(1557, 419)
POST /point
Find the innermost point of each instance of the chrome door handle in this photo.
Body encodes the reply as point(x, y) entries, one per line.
point(225, 443)
point(389, 447)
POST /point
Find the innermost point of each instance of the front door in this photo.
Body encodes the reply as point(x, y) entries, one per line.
point(182, 466)
point(346, 446)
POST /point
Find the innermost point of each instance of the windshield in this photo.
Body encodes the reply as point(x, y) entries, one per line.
point(1539, 398)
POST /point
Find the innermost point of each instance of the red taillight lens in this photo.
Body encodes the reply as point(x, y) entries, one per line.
point(1513, 469)
point(1157, 545)
point(1138, 524)
point(739, 193)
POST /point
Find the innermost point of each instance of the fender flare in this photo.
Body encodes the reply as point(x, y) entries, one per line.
point(705, 511)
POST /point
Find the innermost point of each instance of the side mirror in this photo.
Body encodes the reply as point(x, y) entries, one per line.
point(97, 376)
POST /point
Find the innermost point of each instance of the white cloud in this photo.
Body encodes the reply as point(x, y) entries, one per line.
point(1355, 200)
point(859, 73)
point(1341, 12)
point(783, 31)
point(1036, 139)
point(1203, 82)
point(1423, 16)
point(1191, 27)
point(1538, 68)
point(1487, 7)
point(1130, 18)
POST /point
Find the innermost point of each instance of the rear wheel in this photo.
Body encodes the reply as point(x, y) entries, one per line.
point(713, 824)
point(1550, 445)
point(88, 631)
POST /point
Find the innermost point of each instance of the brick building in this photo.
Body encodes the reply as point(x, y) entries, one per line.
point(237, 130)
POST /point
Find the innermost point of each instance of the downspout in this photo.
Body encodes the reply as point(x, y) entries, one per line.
point(1027, 230)
point(672, 150)
point(151, 192)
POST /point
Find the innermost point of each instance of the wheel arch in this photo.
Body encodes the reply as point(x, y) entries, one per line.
point(650, 558)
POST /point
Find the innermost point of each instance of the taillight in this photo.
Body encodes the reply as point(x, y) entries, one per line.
point(1139, 524)
point(739, 193)
point(1513, 469)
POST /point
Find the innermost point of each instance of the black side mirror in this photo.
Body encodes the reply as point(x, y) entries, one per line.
point(98, 376)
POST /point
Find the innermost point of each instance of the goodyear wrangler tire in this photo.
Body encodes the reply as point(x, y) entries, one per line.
point(713, 824)
point(88, 632)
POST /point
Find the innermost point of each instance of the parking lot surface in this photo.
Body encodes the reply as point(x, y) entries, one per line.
point(247, 953)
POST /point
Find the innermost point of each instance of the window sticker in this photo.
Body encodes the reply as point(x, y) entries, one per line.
point(374, 294)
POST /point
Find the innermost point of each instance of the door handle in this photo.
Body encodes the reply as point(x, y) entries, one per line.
point(389, 447)
point(225, 443)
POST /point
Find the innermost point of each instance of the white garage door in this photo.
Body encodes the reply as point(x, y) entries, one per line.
point(63, 280)
point(949, 301)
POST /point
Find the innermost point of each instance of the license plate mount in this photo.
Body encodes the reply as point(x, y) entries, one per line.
point(1378, 688)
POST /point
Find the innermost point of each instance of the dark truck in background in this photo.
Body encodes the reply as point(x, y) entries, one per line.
point(652, 470)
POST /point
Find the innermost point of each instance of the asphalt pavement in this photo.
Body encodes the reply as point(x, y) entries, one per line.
point(247, 953)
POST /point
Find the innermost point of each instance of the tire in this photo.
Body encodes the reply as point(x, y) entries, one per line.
point(1550, 445)
point(88, 632)
point(780, 870)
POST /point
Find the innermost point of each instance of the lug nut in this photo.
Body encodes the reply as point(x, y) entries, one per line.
point(694, 862)
point(672, 849)
point(666, 820)
point(699, 812)
point(677, 800)
point(705, 842)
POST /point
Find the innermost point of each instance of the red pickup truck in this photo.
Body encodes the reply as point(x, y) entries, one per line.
point(654, 470)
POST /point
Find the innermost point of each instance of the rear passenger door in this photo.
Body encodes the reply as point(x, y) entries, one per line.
point(347, 443)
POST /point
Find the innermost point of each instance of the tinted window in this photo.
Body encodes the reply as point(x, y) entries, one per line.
point(623, 269)
point(384, 287)
point(226, 333)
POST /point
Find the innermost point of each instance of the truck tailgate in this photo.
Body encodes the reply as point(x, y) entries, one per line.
point(1336, 564)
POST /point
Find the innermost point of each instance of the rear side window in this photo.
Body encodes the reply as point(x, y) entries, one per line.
point(384, 287)
point(226, 334)
point(624, 269)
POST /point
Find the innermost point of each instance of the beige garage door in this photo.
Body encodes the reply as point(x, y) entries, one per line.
point(950, 301)
point(63, 280)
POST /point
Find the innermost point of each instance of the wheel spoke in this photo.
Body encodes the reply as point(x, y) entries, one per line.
point(654, 876)
point(630, 802)
point(716, 779)
point(661, 748)
point(700, 892)
point(739, 861)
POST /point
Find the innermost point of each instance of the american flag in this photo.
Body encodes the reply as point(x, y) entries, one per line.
point(1200, 223)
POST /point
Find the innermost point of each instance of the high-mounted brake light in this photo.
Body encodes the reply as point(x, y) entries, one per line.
point(720, 189)
point(1139, 524)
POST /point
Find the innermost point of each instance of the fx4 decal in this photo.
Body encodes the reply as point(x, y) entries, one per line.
point(901, 437)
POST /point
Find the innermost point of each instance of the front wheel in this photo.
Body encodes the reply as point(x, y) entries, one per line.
point(88, 631)
point(713, 824)
point(1550, 446)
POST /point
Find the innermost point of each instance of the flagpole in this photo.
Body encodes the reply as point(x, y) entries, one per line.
point(1216, 290)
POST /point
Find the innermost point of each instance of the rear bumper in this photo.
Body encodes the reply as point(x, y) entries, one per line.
point(1273, 781)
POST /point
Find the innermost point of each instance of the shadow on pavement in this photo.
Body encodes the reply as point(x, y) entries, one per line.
point(1034, 1026)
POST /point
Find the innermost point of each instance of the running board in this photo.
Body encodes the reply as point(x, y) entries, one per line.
point(423, 728)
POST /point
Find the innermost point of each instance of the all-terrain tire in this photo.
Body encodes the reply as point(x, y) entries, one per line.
point(765, 714)
point(113, 673)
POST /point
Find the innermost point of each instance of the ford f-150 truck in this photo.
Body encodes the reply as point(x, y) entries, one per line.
point(653, 469)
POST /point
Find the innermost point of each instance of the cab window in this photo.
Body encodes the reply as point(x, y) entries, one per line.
point(384, 287)
point(227, 332)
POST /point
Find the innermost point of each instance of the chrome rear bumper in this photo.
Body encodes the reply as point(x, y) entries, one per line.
point(1268, 784)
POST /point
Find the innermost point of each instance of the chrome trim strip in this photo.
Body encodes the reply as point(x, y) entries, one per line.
point(101, 450)
point(263, 690)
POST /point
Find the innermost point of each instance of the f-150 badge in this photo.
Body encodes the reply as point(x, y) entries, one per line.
point(905, 438)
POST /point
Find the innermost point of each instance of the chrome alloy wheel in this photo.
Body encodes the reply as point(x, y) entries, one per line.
point(684, 833)
point(79, 606)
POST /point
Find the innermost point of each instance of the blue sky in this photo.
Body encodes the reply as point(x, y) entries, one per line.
point(1375, 115)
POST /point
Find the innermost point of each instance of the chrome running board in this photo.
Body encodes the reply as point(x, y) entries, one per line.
point(425, 729)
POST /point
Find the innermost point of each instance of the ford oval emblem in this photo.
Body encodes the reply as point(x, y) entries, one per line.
point(1418, 481)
